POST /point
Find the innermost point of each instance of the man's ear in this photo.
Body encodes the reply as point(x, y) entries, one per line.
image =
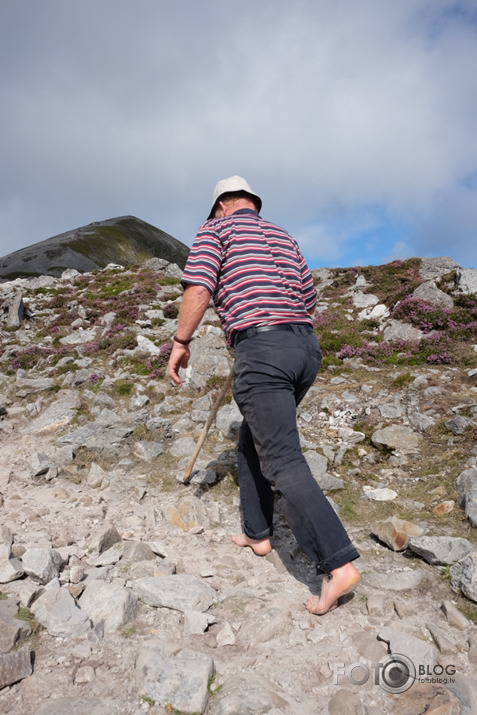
point(220, 210)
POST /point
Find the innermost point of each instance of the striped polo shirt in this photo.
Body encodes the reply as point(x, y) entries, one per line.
point(254, 271)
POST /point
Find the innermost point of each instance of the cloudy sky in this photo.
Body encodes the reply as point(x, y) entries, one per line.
point(355, 120)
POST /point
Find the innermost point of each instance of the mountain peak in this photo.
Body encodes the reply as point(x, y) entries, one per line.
point(125, 240)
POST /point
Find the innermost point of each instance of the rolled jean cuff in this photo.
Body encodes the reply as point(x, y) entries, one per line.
point(342, 557)
point(266, 534)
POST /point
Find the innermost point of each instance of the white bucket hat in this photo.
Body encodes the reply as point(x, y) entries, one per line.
point(233, 183)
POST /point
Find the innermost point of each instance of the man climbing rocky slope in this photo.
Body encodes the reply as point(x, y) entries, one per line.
point(124, 582)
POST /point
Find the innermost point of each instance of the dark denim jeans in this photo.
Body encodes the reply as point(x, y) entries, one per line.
point(273, 371)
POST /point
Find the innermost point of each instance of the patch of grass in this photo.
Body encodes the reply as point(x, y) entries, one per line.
point(468, 609)
point(149, 701)
point(124, 388)
point(140, 432)
point(24, 614)
point(210, 688)
point(168, 280)
point(402, 381)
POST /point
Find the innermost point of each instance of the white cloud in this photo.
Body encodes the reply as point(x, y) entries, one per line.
point(329, 109)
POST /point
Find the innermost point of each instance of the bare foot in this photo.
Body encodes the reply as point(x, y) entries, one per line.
point(259, 546)
point(344, 580)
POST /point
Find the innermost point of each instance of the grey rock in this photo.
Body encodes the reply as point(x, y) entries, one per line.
point(6, 536)
point(137, 551)
point(277, 623)
point(397, 581)
point(195, 623)
point(14, 311)
point(77, 706)
point(432, 294)
point(329, 483)
point(433, 268)
point(147, 346)
point(58, 415)
point(421, 422)
point(41, 465)
point(466, 486)
point(84, 674)
point(458, 424)
point(368, 646)
point(57, 611)
point(440, 550)
point(209, 356)
point(96, 476)
point(317, 462)
point(229, 419)
point(105, 538)
point(135, 403)
point(147, 450)
point(396, 331)
point(98, 437)
point(391, 410)
point(159, 423)
point(379, 494)
point(467, 280)
point(15, 666)
point(165, 567)
point(396, 437)
point(363, 300)
point(465, 690)
point(249, 693)
point(111, 603)
point(188, 514)
point(182, 592)
point(171, 404)
point(69, 275)
point(12, 630)
point(344, 702)
point(472, 655)
point(225, 636)
point(400, 641)
point(10, 567)
point(42, 564)
point(80, 337)
point(202, 476)
point(395, 532)
point(182, 447)
point(454, 616)
point(110, 556)
point(427, 697)
point(28, 386)
point(108, 418)
point(28, 591)
point(464, 576)
point(177, 679)
point(350, 436)
point(442, 642)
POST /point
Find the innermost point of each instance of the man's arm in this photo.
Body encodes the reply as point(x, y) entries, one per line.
point(195, 300)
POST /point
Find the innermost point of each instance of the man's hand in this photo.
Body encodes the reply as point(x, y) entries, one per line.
point(179, 358)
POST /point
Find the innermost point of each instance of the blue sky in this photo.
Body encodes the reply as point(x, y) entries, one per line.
point(355, 120)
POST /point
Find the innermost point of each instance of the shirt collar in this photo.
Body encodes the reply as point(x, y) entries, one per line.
point(244, 211)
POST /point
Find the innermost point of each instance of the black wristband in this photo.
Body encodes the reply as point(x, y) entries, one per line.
point(182, 342)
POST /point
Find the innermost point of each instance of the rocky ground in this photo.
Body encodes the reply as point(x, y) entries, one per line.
point(121, 590)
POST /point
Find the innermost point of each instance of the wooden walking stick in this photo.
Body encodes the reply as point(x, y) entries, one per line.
point(207, 425)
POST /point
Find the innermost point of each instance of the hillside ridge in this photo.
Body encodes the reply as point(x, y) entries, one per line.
point(125, 240)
